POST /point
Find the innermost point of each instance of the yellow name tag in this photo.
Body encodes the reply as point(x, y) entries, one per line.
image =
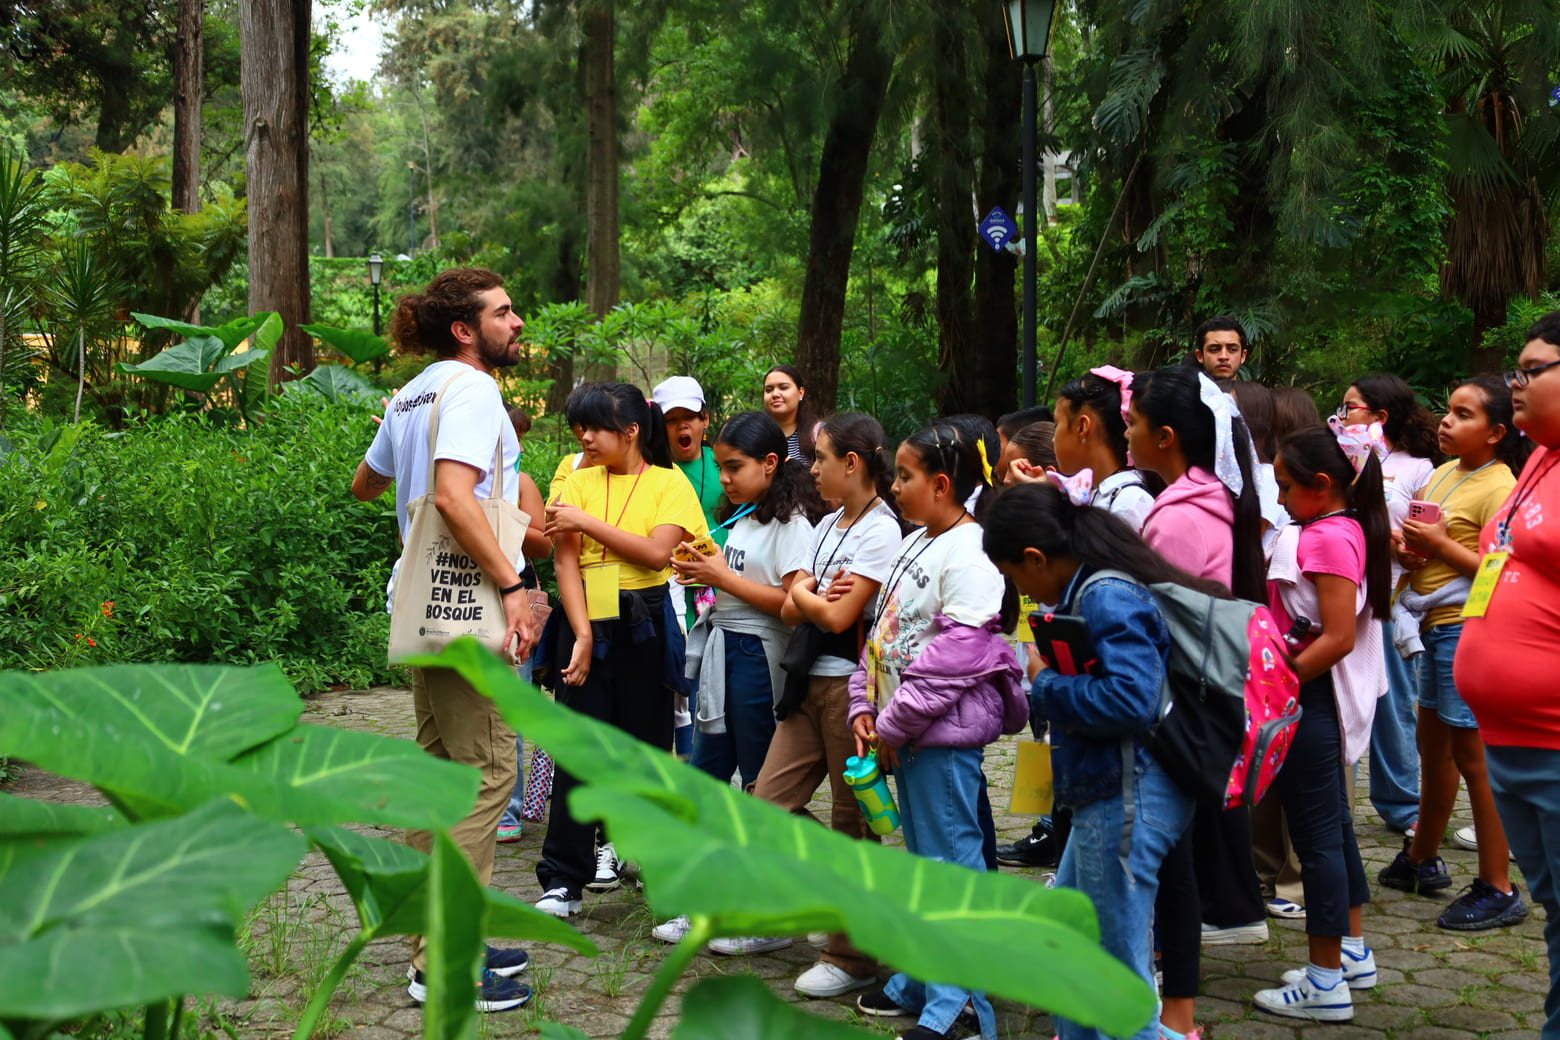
point(1026, 607)
point(601, 591)
point(1032, 782)
point(1484, 584)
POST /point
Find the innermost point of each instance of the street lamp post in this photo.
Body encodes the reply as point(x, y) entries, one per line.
point(1029, 34)
point(411, 206)
point(376, 270)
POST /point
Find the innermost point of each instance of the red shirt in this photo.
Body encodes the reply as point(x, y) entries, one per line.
point(1507, 660)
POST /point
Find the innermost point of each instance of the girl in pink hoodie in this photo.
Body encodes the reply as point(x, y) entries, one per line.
point(1208, 522)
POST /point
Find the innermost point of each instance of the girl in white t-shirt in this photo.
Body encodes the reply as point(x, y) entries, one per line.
point(734, 650)
point(1415, 451)
point(813, 739)
point(937, 683)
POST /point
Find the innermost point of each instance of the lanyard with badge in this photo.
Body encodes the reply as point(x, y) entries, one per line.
point(1493, 563)
point(602, 578)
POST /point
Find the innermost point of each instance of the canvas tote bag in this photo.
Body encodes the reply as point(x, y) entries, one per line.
point(440, 592)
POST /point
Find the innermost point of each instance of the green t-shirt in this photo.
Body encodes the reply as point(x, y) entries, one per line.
point(704, 475)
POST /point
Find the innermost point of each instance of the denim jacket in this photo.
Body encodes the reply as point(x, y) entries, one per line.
point(1089, 715)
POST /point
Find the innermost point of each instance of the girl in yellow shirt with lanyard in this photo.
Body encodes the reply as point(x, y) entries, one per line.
point(615, 522)
point(1439, 548)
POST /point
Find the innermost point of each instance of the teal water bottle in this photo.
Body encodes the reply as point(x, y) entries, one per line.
point(872, 793)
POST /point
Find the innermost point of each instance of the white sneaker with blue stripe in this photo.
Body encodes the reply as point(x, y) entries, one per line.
point(1359, 972)
point(1304, 999)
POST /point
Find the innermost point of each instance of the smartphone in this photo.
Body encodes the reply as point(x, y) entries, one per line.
point(1063, 641)
point(704, 545)
point(1424, 512)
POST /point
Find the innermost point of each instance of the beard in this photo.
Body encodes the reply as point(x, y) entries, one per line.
point(497, 352)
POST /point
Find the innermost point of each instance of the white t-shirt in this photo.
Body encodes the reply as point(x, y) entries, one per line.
point(471, 423)
point(1402, 475)
point(949, 574)
point(1123, 495)
point(765, 553)
point(866, 548)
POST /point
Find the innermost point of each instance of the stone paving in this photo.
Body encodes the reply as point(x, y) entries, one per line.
point(1434, 984)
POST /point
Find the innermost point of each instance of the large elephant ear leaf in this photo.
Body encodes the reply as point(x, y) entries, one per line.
point(753, 869)
point(739, 1005)
point(145, 912)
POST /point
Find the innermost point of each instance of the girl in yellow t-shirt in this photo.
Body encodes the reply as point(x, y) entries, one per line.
point(1441, 558)
point(614, 522)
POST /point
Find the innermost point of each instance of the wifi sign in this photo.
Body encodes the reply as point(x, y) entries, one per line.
point(997, 228)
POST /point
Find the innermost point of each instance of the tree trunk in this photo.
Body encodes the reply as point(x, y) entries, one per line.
point(274, 38)
point(189, 91)
point(995, 318)
point(964, 388)
point(330, 245)
point(1048, 127)
point(433, 205)
point(836, 207)
point(602, 260)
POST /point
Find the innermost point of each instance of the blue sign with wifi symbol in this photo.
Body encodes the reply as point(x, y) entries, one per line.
point(998, 228)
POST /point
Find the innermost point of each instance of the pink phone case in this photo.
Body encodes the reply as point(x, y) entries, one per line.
point(1424, 512)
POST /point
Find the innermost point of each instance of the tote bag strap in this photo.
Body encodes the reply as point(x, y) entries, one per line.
point(497, 488)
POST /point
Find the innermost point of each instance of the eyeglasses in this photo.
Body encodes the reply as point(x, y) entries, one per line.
point(1523, 376)
point(1344, 409)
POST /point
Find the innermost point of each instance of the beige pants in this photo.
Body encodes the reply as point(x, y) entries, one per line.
point(457, 723)
point(810, 744)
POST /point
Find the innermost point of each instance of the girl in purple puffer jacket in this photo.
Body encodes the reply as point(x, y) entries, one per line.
point(937, 683)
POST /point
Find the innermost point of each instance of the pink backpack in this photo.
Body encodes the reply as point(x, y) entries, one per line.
point(1272, 712)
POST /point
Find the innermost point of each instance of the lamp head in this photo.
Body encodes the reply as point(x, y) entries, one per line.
point(376, 267)
point(1028, 27)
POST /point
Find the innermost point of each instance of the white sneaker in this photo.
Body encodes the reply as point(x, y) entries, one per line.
point(741, 946)
point(557, 901)
point(1466, 838)
point(672, 931)
point(830, 980)
point(818, 940)
point(1254, 934)
point(1304, 1000)
point(607, 870)
point(1358, 972)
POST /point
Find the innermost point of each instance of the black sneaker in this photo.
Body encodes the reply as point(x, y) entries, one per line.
point(1482, 906)
point(1035, 849)
point(924, 1033)
point(1407, 876)
point(878, 1002)
point(507, 963)
point(495, 993)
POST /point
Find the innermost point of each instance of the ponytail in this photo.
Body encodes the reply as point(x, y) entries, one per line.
point(1249, 578)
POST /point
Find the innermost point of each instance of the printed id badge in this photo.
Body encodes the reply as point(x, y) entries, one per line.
point(1484, 581)
point(601, 591)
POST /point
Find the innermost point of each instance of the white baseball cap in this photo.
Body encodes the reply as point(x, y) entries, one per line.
point(680, 392)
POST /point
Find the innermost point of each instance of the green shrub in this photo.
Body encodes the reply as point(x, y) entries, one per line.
point(180, 540)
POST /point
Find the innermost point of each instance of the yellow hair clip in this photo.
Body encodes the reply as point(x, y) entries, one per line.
point(985, 460)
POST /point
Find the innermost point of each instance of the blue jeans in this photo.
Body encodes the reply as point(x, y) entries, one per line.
point(939, 790)
point(750, 715)
point(1124, 898)
point(517, 796)
point(1394, 749)
point(1316, 803)
point(1437, 688)
point(1526, 782)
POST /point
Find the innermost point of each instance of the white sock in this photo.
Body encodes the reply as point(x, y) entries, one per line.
point(1324, 978)
point(1355, 944)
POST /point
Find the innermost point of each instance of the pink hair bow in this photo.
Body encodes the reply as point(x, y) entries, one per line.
point(1359, 442)
point(1122, 378)
point(1079, 488)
